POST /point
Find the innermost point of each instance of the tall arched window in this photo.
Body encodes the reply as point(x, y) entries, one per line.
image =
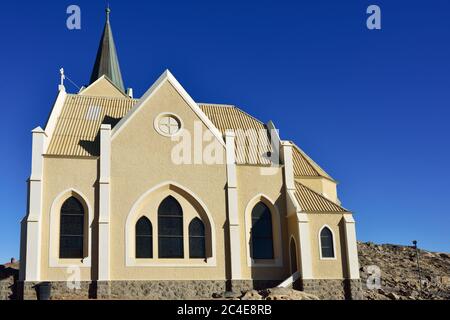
point(293, 254)
point(71, 231)
point(197, 239)
point(261, 232)
point(326, 243)
point(144, 240)
point(170, 229)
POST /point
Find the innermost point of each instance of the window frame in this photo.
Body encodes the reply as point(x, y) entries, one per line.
point(203, 237)
point(181, 218)
point(65, 256)
point(265, 237)
point(136, 235)
point(333, 239)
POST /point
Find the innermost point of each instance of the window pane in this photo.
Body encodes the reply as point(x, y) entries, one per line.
point(71, 247)
point(196, 228)
point(170, 247)
point(197, 239)
point(261, 232)
point(144, 247)
point(197, 247)
point(72, 225)
point(170, 226)
point(144, 240)
point(170, 207)
point(326, 241)
point(144, 227)
point(262, 248)
point(71, 229)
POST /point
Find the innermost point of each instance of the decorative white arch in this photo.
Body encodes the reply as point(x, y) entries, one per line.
point(54, 260)
point(276, 226)
point(333, 238)
point(130, 261)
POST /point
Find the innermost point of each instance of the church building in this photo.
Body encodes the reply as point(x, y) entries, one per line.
point(162, 197)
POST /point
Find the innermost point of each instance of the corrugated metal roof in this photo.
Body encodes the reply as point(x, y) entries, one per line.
point(77, 130)
point(252, 139)
point(304, 166)
point(311, 201)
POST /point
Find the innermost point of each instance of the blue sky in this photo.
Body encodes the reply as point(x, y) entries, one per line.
point(371, 107)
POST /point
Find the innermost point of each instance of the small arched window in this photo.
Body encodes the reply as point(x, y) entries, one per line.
point(261, 232)
point(170, 229)
point(326, 243)
point(144, 239)
point(197, 239)
point(71, 234)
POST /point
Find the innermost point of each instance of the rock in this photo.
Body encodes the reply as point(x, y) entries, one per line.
point(393, 296)
point(217, 295)
point(252, 295)
point(287, 294)
point(400, 274)
point(231, 295)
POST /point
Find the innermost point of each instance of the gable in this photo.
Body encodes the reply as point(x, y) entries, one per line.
point(103, 87)
point(163, 80)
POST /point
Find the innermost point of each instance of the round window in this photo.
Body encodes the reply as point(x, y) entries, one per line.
point(167, 124)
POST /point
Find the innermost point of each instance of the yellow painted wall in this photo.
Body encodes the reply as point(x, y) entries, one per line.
point(328, 268)
point(61, 175)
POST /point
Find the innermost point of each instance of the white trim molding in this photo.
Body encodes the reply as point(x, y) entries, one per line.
point(232, 204)
point(286, 155)
point(129, 233)
point(34, 214)
point(277, 261)
point(305, 246)
point(351, 246)
point(54, 114)
point(54, 232)
point(333, 239)
point(104, 204)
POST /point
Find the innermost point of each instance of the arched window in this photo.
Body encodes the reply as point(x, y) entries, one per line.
point(170, 229)
point(261, 232)
point(326, 243)
point(144, 240)
point(293, 253)
point(71, 234)
point(197, 239)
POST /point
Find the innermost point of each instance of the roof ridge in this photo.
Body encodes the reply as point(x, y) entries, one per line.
point(102, 97)
point(321, 196)
point(224, 105)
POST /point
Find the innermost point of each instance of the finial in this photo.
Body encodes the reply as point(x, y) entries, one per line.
point(108, 11)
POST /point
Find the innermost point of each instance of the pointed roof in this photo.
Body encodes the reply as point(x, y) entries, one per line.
point(107, 62)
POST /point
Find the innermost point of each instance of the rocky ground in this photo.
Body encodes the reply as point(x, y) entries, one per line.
point(399, 272)
point(399, 276)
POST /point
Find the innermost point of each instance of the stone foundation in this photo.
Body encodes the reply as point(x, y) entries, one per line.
point(333, 289)
point(186, 289)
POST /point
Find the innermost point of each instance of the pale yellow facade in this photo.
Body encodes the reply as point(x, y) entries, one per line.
point(141, 173)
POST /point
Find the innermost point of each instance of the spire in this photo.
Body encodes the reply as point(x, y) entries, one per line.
point(107, 62)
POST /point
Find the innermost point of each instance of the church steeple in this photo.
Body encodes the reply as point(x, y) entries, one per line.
point(107, 62)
